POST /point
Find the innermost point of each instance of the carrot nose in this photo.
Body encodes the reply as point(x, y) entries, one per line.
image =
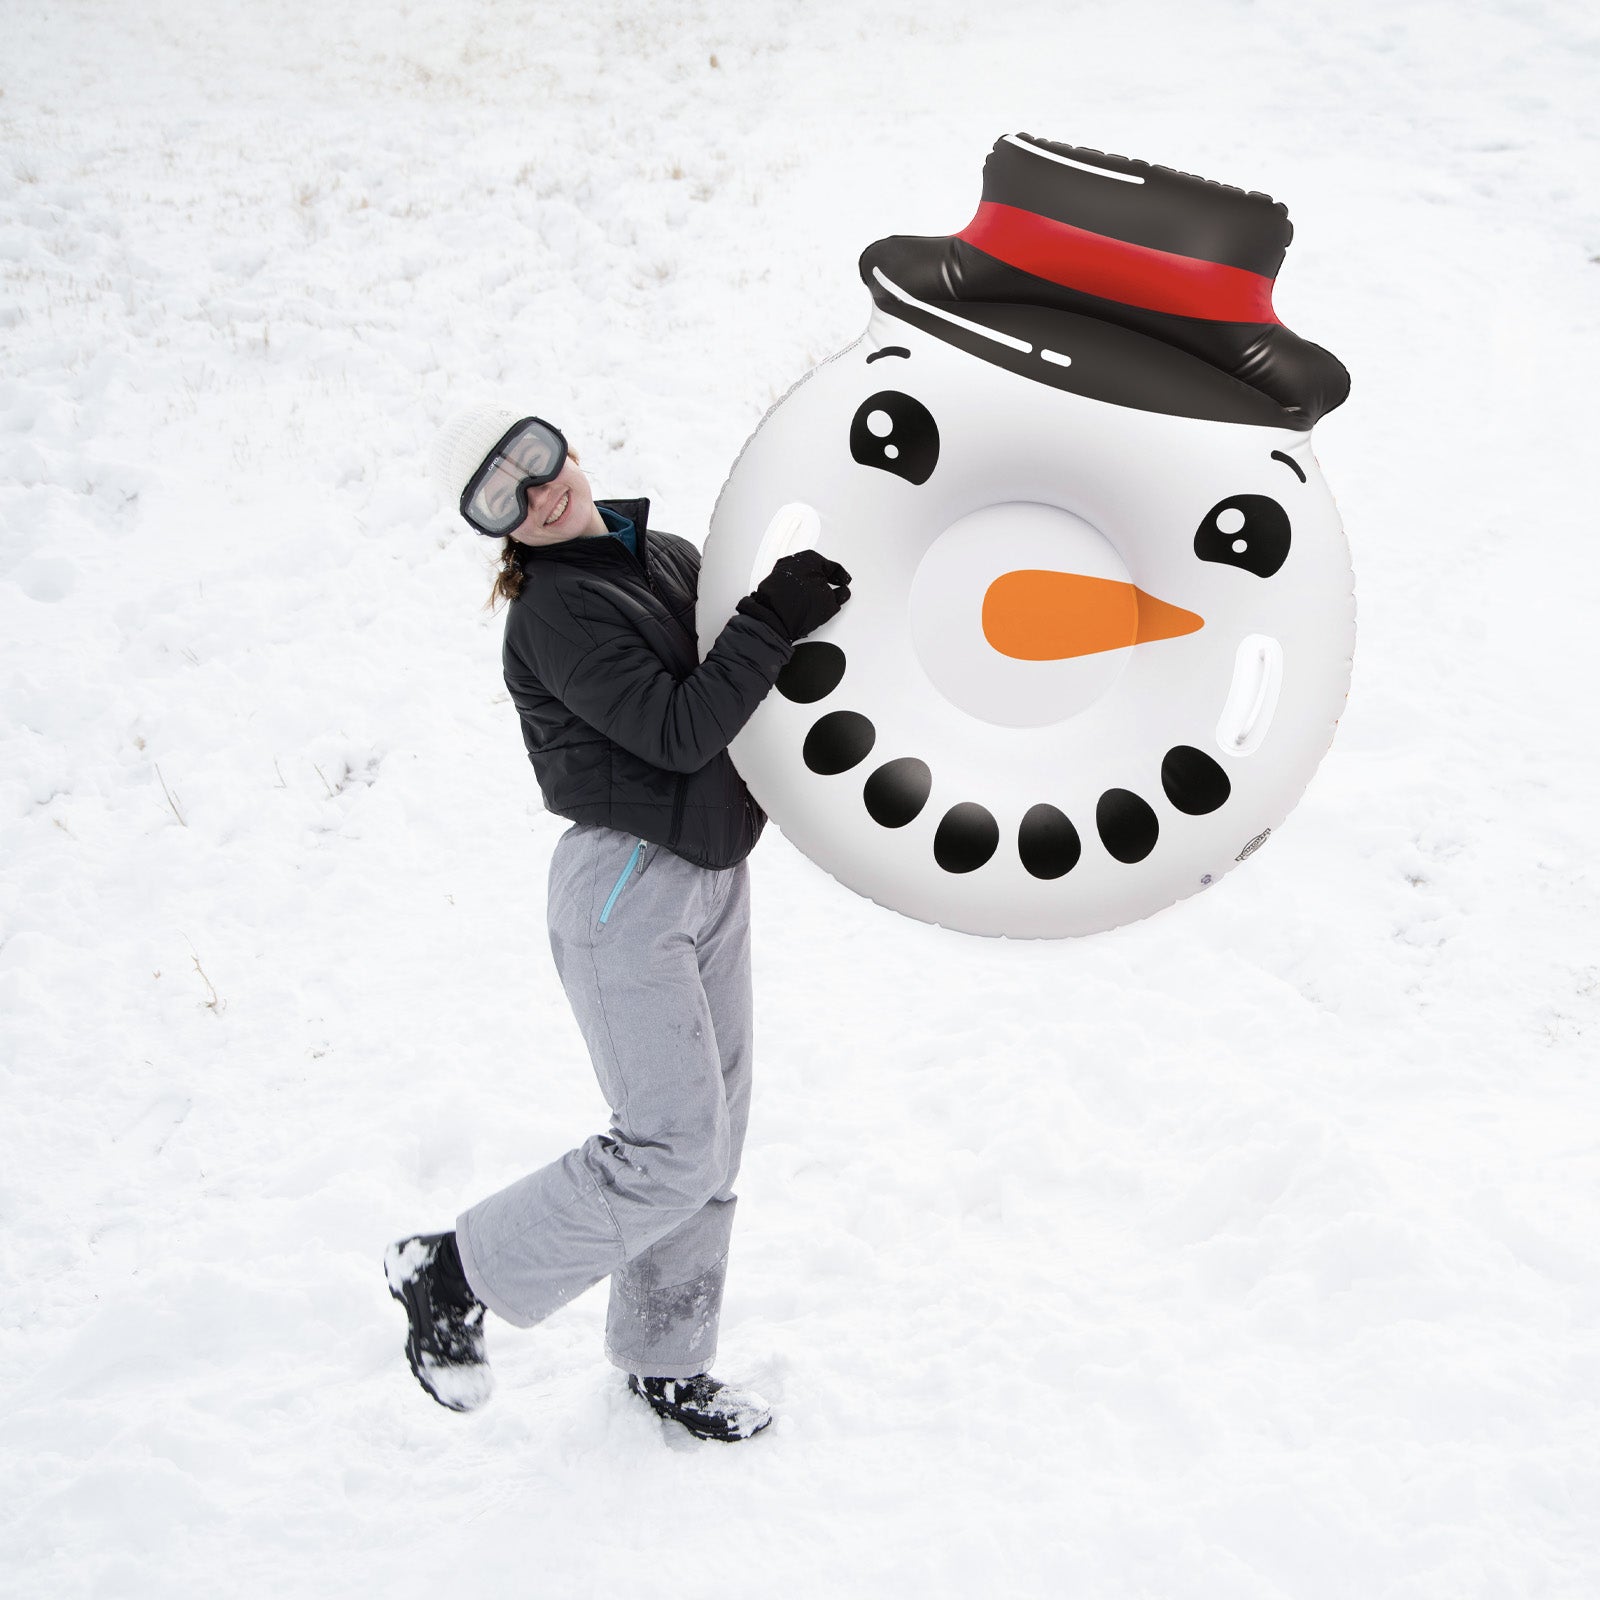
point(1035, 614)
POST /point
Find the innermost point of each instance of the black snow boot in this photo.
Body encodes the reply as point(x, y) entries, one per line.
point(445, 1346)
point(708, 1408)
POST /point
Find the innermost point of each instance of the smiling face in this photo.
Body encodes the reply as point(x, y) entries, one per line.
point(564, 508)
point(1091, 653)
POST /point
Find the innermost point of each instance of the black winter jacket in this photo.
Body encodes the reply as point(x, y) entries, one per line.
point(625, 725)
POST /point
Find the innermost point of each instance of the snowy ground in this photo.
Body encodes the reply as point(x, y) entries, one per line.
point(1249, 1253)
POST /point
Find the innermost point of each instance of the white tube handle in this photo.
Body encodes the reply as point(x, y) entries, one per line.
point(1252, 696)
point(795, 526)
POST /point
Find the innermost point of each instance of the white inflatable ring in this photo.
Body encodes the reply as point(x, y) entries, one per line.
point(1096, 642)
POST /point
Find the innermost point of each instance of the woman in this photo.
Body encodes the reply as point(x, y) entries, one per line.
point(649, 913)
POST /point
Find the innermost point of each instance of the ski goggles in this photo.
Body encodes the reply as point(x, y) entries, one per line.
point(495, 499)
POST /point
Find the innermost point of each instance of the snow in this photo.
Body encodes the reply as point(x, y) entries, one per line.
point(1249, 1251)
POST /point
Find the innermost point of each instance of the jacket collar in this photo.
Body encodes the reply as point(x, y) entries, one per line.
point(596, 549)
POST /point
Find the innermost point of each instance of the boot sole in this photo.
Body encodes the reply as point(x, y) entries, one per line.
point(718, 1438)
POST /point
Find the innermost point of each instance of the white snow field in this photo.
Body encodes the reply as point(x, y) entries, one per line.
point(1248, 1253)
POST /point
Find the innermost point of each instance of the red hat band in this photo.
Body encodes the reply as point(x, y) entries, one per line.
point(1115, 269)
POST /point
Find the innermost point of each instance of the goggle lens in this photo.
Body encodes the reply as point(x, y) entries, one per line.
point(496, 499)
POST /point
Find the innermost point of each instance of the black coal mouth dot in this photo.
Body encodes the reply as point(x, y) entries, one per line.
point(1048, 843)
point(812, 673)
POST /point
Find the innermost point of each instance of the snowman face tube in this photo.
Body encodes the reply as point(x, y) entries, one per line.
point(1093, 653)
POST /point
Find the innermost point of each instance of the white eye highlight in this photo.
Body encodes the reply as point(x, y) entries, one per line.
point(1230, 521)
point(1240, 546)
point(891, 450)
point(879, 424)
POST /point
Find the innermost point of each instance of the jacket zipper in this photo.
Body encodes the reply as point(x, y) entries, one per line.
point(636, 858)
point(645, 572)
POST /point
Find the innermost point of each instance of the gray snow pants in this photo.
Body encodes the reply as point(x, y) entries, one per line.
point(654, 954)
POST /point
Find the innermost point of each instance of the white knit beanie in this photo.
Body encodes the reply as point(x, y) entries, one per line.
point(463, 442)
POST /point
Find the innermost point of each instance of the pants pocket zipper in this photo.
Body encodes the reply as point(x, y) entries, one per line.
point(636, 859)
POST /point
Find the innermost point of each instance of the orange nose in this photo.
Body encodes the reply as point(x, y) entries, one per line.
point(1035, 614)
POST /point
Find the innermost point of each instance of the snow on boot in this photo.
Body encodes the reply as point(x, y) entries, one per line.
point(708, 1408)
point(445, 1346)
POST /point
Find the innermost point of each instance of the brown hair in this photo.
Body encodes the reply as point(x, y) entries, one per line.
point(508, 580)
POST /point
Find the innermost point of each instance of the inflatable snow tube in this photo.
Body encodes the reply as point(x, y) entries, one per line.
point(1101, 613)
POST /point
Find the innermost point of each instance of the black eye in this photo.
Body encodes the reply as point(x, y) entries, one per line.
point(1249, 531)
point(892, 431)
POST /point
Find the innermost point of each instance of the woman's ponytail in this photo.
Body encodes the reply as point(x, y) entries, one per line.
point(508, 580)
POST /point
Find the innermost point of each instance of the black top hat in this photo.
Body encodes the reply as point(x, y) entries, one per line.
point(1118, 280)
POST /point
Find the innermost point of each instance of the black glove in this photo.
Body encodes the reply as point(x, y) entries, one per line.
point(798, 594)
